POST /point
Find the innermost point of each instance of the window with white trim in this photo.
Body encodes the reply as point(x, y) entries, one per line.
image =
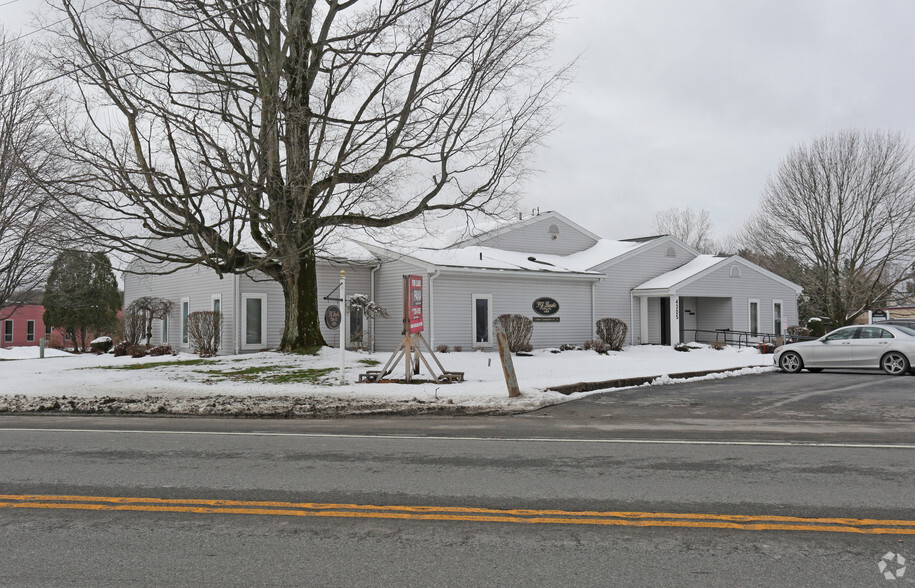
point(754, 317)
point(482, 320)
point(777, 317)
point(185, 310)
point(8, 331)
point(30, 331)
point(254, 320)
point(164, 325)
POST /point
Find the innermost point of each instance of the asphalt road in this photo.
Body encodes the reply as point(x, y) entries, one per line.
point(769, 480)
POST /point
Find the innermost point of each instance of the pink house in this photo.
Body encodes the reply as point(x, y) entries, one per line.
point(25, 327)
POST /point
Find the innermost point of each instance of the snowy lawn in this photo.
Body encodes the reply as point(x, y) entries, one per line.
point(291, 385)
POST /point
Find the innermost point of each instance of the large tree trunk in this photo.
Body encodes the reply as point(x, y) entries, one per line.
point(302, 332)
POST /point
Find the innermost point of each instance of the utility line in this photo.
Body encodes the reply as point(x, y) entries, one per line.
point(125, 51)
point(45, 27)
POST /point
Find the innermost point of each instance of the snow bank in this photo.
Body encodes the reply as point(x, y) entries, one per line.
point(291, 385)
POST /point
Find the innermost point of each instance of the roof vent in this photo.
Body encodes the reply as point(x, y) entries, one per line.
point(554, 232)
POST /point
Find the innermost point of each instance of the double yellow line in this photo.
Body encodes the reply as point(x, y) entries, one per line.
point(451, 513)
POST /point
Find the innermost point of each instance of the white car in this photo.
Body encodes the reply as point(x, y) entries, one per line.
point(890, 348)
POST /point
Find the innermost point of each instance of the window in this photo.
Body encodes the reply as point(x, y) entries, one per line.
point(47, 331)
point(30, 330)
point(843, 334)
point(185, 310)
point(482, 318)
point(777, 317)
point(254, 320)
point(217, 302)
point(735, 271)
point(671, 252)
point(754, 318)
point(165, 329)
point(874, 333)
point(8, 331)
point(356, 326)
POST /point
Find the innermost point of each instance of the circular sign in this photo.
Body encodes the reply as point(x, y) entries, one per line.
point(545, 306)
point(332, 317)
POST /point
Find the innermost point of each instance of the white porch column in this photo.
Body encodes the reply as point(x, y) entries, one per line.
point(674, 320)
point(643, 320)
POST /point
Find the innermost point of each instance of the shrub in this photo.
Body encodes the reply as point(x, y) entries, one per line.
point(132, 326)
point(612, 332)
point(766, 347)
point(128, 348)
point(568, 347)
point(204, 332)
point(458, 349)
point(441, 348)
point(719, 345)
point(597, 345)
point(518, 330)
point(681, 347)
point(161, 350)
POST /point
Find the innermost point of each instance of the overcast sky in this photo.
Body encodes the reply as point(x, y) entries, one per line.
point(693, 103)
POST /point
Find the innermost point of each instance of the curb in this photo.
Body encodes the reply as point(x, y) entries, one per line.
point(629, 382)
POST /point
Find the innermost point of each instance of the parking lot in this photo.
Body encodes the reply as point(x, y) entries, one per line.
point(846, 405)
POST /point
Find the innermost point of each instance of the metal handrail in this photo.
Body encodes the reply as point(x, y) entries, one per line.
point(744, 338)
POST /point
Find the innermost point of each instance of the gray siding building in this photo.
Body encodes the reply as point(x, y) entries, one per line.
point(664, 290)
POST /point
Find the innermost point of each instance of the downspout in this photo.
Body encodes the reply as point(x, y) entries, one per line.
point(594, 308)
point(434, 275)
point(236, 314)
point(631, 318)
point(372, 298)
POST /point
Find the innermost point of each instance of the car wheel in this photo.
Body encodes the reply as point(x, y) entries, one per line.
point(894, 363)
point(791, 362)
point(815, 370)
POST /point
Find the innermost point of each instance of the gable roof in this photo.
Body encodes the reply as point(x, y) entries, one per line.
point(701, 266)
point(508, 226)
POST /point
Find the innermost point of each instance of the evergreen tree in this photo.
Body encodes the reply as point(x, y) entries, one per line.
point(81, 295)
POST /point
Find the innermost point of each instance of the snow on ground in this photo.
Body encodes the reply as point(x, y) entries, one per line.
point(290, 385)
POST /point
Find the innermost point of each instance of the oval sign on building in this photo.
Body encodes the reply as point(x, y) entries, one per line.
point(332, 317)
point(545, 306)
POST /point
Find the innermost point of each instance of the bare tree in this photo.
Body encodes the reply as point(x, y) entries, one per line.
point(148, 308)
point(692, 227)
point(251, 130)
point(27, 219)
point(840, 211)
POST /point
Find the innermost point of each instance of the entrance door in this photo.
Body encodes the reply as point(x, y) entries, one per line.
point(665, 321)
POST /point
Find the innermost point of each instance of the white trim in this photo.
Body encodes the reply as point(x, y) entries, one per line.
point(473, 320)
point(183, 321)
point(750, 302)
point(244, 321)
point(781, 313)
point(27, 323)
point(12, 330)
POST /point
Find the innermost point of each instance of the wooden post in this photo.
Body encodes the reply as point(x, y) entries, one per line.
point(343, 333)
point(505, 355)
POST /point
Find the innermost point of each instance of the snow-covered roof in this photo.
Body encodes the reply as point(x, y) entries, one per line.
point(602, 251)
point(682, 273)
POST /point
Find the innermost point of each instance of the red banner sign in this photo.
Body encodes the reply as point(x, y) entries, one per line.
point(414, 303)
